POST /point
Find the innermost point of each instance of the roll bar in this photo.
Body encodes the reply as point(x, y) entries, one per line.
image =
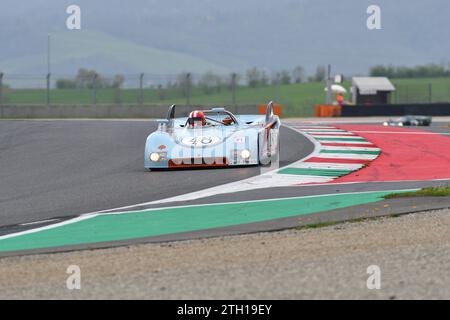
point(269, 112)
point(171, 112)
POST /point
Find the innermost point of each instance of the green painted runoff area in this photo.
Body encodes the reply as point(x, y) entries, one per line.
point(138, 224)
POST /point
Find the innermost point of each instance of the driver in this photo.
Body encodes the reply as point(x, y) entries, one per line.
point(227, 121)
point(196, 119)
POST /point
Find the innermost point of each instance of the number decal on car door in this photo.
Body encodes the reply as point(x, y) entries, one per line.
point(200, 141)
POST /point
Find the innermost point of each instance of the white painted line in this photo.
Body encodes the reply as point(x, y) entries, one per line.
point(347, 142)
point(331, 166)
point(52, 226)
point(303, 178)
point(311, 127)
point(327, 135)
point(344, 148)
point(348, 156)
point(38, 222)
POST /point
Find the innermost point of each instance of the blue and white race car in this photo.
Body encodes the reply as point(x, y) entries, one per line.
point(213, 138)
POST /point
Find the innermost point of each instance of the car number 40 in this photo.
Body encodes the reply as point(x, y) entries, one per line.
point(200, 140)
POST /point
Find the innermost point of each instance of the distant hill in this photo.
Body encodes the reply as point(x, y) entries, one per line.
point(106, 54)
point(172, 35)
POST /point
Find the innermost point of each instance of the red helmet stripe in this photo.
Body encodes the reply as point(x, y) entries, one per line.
point(195, 115)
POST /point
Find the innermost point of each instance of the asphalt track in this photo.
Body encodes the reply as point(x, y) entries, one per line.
point(52, 189)
point(63, 168)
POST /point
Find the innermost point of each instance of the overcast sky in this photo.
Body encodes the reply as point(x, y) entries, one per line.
point(233, 34)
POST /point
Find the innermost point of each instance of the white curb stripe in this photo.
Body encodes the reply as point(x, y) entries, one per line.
point(347, 142)
point(300, 178)
point(332, 166)
point(324, 130)
point(333, 135)
point(341, 137)
point(350, 148)
point(311, 127)
point(348, 156)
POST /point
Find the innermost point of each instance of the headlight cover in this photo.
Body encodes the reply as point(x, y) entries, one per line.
point(157, 156)
point(245, 154)
point(154, 156)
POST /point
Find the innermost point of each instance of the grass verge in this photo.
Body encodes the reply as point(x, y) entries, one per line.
point(442, 191)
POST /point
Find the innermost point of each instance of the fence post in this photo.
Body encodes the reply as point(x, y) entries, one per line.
point(1, 88)
point(48, 88)
point(430, 93)
point(94, 89)
point(233, 88)
point(329, 82)
point(188, 89)
point(141, 89)
point(1, 94)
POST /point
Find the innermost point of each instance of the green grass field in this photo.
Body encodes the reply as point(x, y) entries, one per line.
point(297, 99)
point(443, 191)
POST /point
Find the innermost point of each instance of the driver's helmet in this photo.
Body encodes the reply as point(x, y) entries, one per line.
point(196, 119)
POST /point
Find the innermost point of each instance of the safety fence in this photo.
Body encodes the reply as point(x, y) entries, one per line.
point(89, 88)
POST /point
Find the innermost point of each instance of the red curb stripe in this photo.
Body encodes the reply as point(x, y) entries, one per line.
point(404, 157)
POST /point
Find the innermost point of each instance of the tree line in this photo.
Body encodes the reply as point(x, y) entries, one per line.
point(89, 79)
point(421, 71)
point(208, 82)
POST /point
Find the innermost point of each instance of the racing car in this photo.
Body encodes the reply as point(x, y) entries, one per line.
point(213, 138)
point(409, 121)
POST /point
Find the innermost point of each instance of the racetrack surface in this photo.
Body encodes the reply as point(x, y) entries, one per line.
point(60, 168)
point(233, 267)
point(116, 233)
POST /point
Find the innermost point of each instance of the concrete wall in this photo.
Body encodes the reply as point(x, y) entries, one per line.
point(106, 111)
